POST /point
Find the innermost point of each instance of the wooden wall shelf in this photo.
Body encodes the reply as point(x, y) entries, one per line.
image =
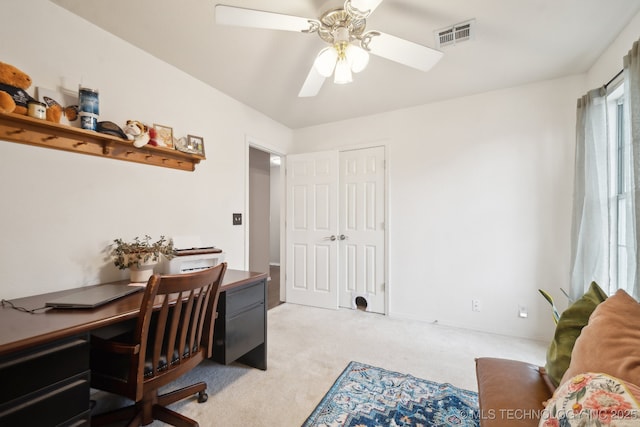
point(41, 133)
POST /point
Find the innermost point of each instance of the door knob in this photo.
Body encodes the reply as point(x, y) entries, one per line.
point(342, 237)
point(332, 238)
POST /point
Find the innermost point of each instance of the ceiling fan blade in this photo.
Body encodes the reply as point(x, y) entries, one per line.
point(238, 16)
point(366, 5)
point(312, 84)
point(404, 51)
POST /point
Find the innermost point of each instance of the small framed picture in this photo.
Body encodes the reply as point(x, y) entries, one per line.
point(195, 145)
point(164, 135)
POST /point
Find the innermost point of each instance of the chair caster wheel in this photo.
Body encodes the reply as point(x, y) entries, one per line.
point(202, 397)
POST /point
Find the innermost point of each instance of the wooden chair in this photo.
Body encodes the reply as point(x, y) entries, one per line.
point(173, 334)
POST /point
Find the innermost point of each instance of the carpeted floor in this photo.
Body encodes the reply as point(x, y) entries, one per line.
point(308, 348)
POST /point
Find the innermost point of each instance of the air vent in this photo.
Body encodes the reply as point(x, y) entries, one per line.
point(455, 34)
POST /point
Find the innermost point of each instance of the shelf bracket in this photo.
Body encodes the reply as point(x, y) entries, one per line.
point(16, 132)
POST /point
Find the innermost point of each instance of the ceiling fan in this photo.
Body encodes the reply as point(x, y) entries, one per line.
point(344, 30)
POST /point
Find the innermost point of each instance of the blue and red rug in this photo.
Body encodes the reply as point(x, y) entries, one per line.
point(366, 396)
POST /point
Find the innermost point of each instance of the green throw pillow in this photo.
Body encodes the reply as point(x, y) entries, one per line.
point(570, 324)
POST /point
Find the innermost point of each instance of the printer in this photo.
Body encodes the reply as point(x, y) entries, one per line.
point(192, 254)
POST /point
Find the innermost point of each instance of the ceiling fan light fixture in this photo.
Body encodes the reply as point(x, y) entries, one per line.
point(342, 74)
point(326, 61)
point(350, 44)
point(358, 57)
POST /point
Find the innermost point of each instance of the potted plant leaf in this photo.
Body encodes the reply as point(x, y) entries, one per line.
point(140, 255)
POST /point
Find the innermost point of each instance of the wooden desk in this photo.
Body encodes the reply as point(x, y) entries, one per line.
point(51, 348)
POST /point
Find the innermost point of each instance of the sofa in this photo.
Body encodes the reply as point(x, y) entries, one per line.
point(510, 392)
point(592, 370)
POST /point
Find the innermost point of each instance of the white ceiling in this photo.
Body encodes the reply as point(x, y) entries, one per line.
point(517, 42)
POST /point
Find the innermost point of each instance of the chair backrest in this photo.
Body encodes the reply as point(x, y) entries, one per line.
point(176, 322)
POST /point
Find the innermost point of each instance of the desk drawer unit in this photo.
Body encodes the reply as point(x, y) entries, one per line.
point(241, 323)
point(46, 385)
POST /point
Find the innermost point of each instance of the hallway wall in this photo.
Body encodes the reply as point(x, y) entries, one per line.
point(259, 210)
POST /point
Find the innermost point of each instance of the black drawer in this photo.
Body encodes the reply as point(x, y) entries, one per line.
point(57, 405)
point(42, 366)
point(241, 327)
point(81, 420)
point(245, 332)
point(241, 299)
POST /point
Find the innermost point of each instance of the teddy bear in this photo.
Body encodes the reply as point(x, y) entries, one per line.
point(137, 132)
point(13, 89)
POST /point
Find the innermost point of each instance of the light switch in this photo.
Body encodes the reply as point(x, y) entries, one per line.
point(237, 219)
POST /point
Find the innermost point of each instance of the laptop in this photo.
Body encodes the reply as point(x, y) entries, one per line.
point(93, 297)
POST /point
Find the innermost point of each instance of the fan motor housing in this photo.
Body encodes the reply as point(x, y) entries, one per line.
point(333, 19)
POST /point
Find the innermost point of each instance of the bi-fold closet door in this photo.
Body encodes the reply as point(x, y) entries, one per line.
point(335, 229)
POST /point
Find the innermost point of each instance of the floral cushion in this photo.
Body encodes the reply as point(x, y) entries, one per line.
point(592, 399)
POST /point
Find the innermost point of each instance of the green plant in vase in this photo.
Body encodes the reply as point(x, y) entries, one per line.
point(140, 255)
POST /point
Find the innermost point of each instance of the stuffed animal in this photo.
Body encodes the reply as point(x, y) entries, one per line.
point(13, 86)
point(137, 132)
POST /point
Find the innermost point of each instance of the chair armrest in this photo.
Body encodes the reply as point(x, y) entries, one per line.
point(114, 346)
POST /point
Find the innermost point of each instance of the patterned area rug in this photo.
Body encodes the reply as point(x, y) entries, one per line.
point(366, 396)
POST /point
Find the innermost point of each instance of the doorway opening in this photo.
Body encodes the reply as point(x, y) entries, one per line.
point(264, 208)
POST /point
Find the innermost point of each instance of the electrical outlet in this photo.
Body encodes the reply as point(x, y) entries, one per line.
point(237, 219)
point(475, 305)
point(522, 312)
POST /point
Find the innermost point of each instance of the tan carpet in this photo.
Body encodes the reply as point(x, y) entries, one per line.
point(308, 348)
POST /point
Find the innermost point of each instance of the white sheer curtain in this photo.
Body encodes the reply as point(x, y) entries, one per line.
point(606, 216)
point(590, 252)
point(632, 141)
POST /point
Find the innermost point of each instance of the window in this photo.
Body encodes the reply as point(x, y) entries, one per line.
point(620, 185)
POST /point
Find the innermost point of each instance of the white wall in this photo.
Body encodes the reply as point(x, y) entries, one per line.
point(60, 210)
point(610, 62)
point(479, 203)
